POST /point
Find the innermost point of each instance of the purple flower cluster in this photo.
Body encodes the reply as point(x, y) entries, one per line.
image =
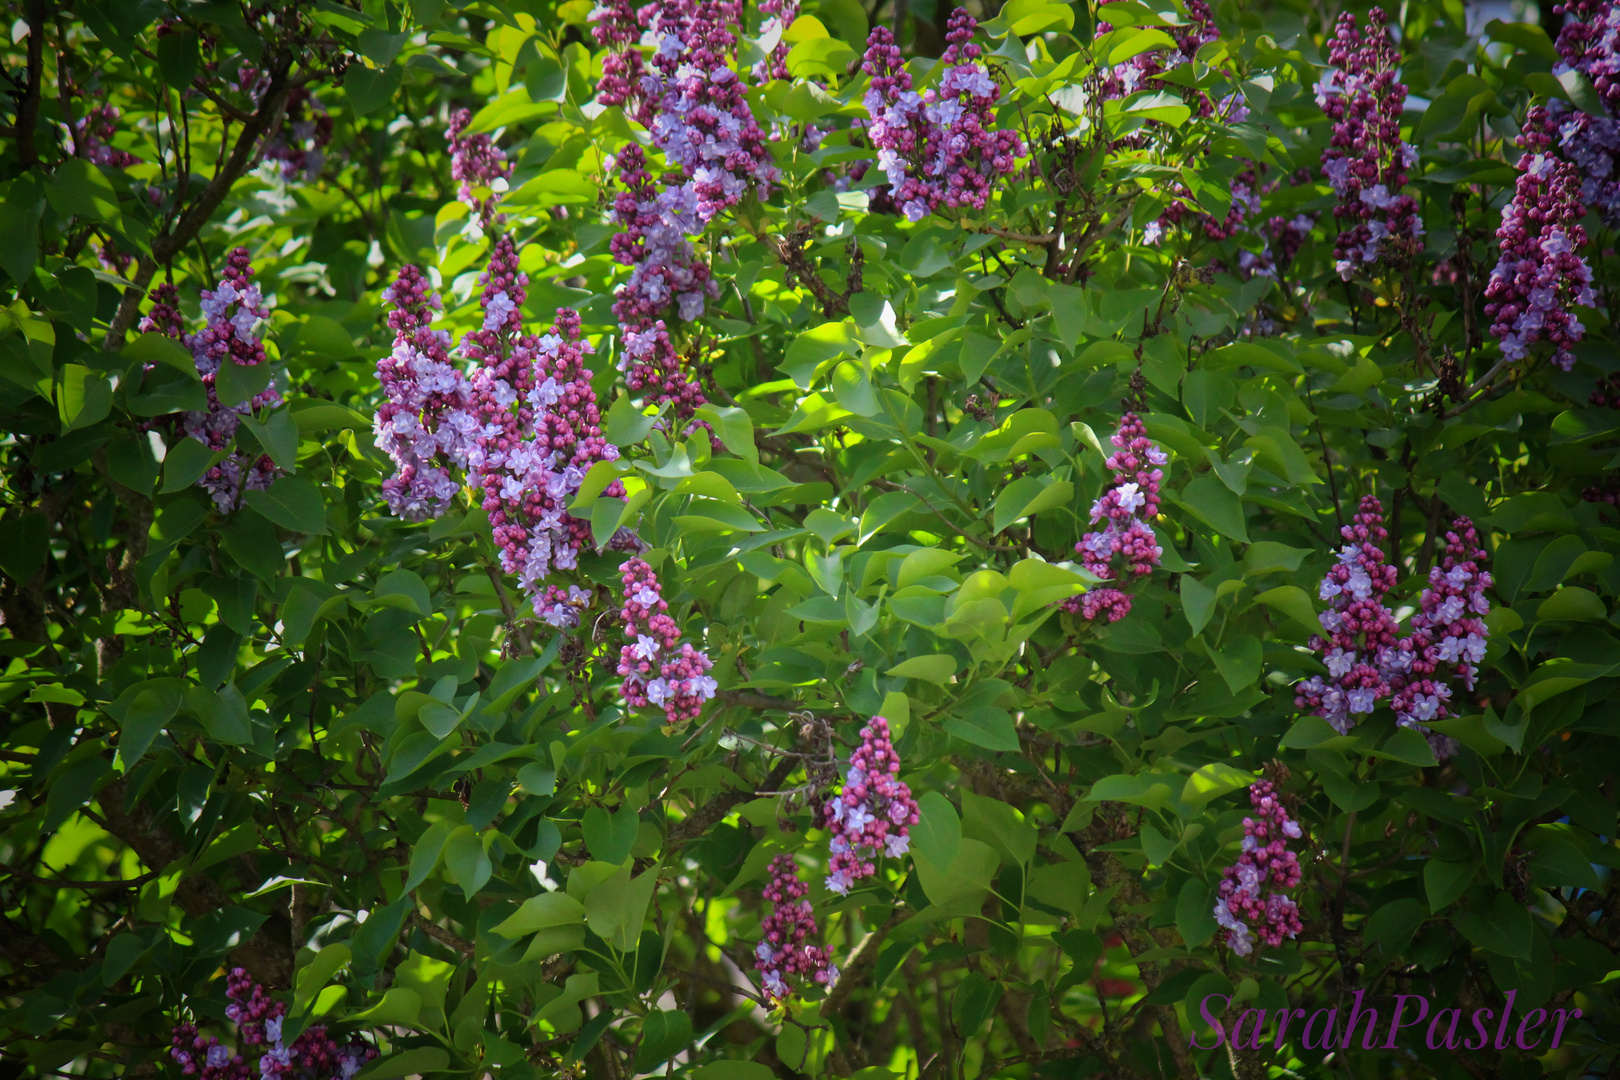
point(425, 422)
point(694, 106)
point(940, 147)
point(782, 957)
point(1126, 542)
point(524, 426)
point(234, 314)
point(313, 1055)
point(1367, 659)
point(1589, 43)
point(1448, 636)
point(780, 15)
point(91, 137)
point(476, 163)
point(872, 816)
point(539, 429)
point(658, 668)
point(1366, 161)
point(1251, 904)
point(1540, 275)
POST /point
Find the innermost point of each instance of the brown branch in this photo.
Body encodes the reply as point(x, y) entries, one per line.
point(67, 883)
point(440, 934)
point(700, 819)
point(28, 108)
point(269, 961)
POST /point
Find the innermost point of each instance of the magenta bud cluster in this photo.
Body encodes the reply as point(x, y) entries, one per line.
point(784, 956)
point(1589, 42)
point(659, 669)
point(872, 816)
point(1540, 275)
point(234, 316)
point(1251, 904)
point(940, 147)
point(1366, 161)
point(1125, 547)
point(314, 1055)
point(1367, 659)
point(476, 164)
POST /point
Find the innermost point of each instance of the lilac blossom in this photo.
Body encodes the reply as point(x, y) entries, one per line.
point(259, 1019)
point(1589, 43)
point(235, 314)
point(91, 137)
point(539, 429)
point(1367, 161)
point(658, 668)
point(872, 815)
point(1126, 543)
point(476, 163)
point(1540, 275)
point(1367, 659)
point(1361, 649)
point(425, 422)
point(782, 956)
point(940, 147)
point(1251, 904)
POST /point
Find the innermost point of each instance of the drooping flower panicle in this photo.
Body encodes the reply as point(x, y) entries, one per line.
point(658, 668)
point(1368, 660)
point(940, 147)
point(1540, 275)
point(259, 1019)
point(476, 163)
point(234, 314)
point(873, 814)
point(1251, 903)
point(1367, 161)
point(783, 956)
point(425, 422)
point(1125, 547)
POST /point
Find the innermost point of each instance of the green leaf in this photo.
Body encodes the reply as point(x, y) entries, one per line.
point(278, 434)
point(616, 909)
point(1293, 602)
point(369, 89)
point(1505, 929)
point(975, 1001)
point(467, 861)
point(1195, 913)
point(664, 1033)
point(1197, 602)
point(178, 55)
point(84, 397)
point(1392, 925)
point(1239, 662)
point(418, 1062)
point(1309, 732)
point(24, 544)
point(1214, 780)
point(937, 836)
point(317, 973)
point(936, 668)
point(734, 1070)
point(999, 825)
point(1029, 495)
point(987, 726)
point(142, 712)
point(819, 56)
point(961, 886)
point(404, 589)
point(1213, 503)
point(1445, 882)
point(292, 502)
point(543, 912)
point(610, 836)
